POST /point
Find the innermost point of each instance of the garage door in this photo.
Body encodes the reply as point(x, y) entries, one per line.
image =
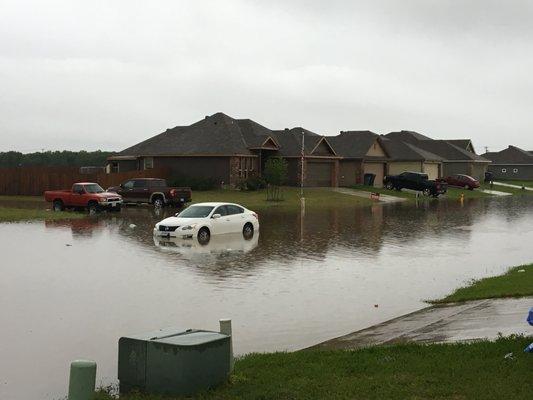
point(432, 170)
point(377, 169)
point(319, 174)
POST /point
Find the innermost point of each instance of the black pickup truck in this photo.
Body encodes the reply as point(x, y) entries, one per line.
point(152, 190)
point(415, 181)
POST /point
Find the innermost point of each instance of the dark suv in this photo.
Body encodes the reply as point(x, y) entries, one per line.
point(415, 181)
point(152, 190)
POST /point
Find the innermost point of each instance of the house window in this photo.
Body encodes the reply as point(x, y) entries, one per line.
point(148, 163)
point(504, 170)
point(246, 165)
point(515, 171)
point(114, 167)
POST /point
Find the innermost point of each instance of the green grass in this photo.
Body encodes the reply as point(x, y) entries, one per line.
point(512, 284)
point(314, 198)
point(8, 214)
point(410, 371)
point(22, 198)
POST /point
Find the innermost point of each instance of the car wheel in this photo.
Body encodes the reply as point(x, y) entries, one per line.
point(248, 231)
point(426, 192)
point(466, 187)
point(389, 186)
point(58, 205)
point(204, 236)
point(92, 207)
point(158, 202)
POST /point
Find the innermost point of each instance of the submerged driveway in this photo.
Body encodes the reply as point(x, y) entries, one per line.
point(472, 320)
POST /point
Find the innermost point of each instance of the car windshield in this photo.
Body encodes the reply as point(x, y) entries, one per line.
point(196, 212)
point(93, 188)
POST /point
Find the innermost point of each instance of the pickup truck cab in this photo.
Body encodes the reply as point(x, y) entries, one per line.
point(415, 181)
point(86, 195)
point(152, 190)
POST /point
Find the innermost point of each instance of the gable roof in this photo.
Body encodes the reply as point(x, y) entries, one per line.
point(215, 135)
point(290, 141)
point(354, 144)
point(510, 155)
point(464, 144)
point(407, 136)
point(449, 151)
point(399, 150)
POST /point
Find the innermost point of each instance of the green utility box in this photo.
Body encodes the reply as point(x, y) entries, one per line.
point(173, 362)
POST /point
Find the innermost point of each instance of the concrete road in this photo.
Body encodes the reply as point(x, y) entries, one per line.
point(480, 319)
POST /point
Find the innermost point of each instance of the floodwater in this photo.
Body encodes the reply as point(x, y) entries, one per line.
point(70, 289)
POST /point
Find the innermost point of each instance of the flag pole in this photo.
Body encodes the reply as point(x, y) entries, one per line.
point(302, 167)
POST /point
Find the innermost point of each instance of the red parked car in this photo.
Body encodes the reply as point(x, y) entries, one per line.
point(463, 181)
point(84, 195)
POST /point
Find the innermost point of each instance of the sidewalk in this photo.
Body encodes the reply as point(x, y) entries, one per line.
point(384, 198)
point(479, 319)
point(512, 186)
point(495, 192)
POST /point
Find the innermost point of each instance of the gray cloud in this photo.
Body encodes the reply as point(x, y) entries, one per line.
point(107, 74)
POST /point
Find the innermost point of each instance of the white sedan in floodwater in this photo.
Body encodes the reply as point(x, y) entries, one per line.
point(205, 219)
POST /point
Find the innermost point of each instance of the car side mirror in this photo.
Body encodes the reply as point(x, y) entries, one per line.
point(121, 186)
point(216, 216)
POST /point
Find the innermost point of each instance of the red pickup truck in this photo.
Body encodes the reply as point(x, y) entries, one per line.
point(84, 195)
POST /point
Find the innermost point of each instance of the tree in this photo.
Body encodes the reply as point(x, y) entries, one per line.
point(275, 175)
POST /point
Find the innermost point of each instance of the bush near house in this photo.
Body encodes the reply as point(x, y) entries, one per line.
point(251, 184)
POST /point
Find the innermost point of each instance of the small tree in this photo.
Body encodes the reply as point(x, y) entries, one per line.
point(275, 175)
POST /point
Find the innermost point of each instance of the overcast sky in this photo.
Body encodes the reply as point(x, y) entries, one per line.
point(108, 74)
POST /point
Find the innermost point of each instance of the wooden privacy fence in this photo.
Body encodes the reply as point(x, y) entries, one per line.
point(33, 181)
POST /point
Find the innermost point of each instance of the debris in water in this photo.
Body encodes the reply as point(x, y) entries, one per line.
point(132, 226)
point(521, 270)
point(508, 356)
point(376, 305)
point(68, 245)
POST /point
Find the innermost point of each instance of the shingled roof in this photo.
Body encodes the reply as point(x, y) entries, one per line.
point(215, 135)
point(449, 151)
point(510, 155)
point(290, 141)
point(407, 136)
point(399, 150)
point(220, 134)
point(354, 144)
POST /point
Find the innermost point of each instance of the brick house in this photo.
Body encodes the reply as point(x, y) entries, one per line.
point(229, 150)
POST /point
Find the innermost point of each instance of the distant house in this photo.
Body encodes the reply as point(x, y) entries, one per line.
point(458, 156)
point(229, 150)
point(408, 157)
point(362, 152)
point(511, 163)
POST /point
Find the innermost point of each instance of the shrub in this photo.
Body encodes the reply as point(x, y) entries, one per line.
point(251, 184)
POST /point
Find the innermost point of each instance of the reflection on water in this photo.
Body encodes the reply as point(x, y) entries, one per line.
point(71, 289)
